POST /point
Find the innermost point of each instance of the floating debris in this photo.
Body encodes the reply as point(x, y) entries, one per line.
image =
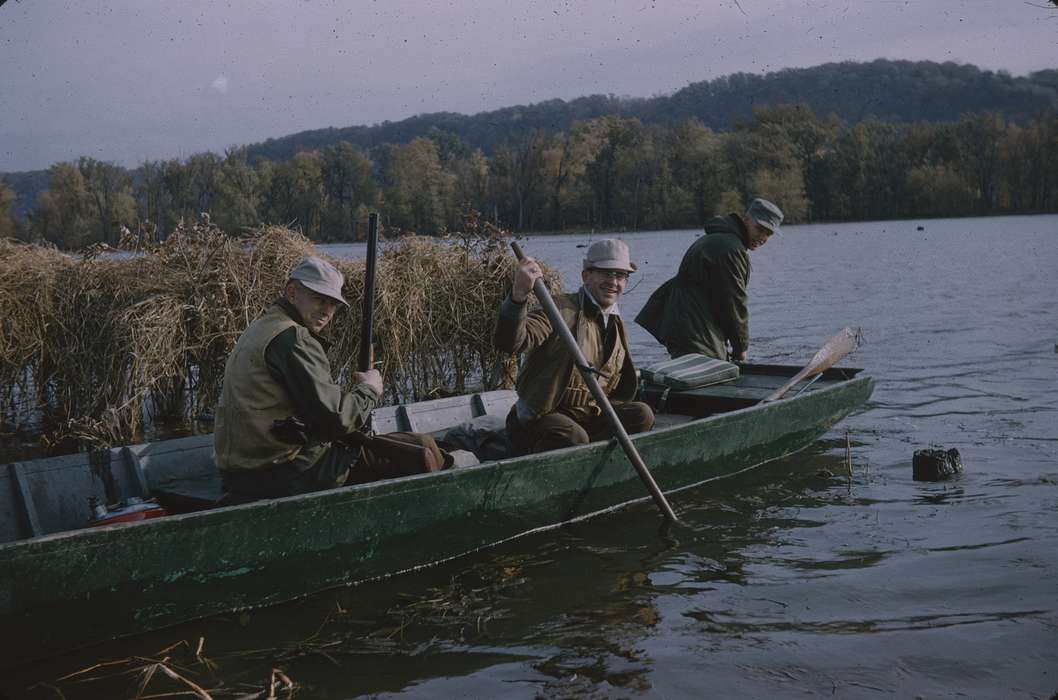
point(936, 464)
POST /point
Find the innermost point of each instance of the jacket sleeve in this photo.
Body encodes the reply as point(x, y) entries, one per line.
point(727, 294)
point(297, 361)
point(518, 330)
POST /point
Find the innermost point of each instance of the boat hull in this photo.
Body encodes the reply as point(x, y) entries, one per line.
point(71, 589)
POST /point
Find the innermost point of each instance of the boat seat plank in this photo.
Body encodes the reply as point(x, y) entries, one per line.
point(440, 414)
point(57, 492)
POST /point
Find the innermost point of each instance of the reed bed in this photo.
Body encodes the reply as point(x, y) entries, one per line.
point(105, 344)
point(27, 303)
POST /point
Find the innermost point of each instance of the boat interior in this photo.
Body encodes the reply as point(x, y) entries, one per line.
point(72, 492)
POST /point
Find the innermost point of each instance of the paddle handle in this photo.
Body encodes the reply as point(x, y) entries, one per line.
point(581, 363)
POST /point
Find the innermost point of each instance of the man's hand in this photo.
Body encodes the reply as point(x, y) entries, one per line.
point(527, 272)
point(739, 356)
point(371, 377)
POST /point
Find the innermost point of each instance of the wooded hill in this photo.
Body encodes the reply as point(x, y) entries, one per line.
point(888, 91)
point(836, 142)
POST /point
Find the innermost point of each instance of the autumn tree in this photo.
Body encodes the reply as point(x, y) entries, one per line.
point(64, 212)
point(349, 190)
point(418, 193)
point(295, 196)
point(109, 188)
point(8, 228)
point(236, 201)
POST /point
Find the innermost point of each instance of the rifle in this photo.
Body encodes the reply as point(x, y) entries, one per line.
point(390, 448)
point(367, 321)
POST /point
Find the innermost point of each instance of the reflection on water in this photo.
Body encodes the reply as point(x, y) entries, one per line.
point(797, 579)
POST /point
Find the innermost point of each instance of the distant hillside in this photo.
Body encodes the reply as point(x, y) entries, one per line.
point(892, 91)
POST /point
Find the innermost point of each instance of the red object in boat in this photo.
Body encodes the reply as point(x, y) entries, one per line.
point(130, 513)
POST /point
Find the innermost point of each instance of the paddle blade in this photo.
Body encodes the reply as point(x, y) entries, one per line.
point(829, 355)
point(835, 349)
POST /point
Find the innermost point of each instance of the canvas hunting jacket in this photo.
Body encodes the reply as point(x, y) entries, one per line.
point(547, 376)
point(704, 305)
point(279, 369)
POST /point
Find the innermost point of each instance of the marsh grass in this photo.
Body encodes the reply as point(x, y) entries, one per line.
point(105, 344)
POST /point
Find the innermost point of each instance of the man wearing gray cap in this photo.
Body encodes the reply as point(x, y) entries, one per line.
point(555, 408)
point(703, 308)
point(279, 370)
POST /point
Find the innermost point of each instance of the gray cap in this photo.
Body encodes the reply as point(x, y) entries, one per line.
point(766, 214)
point(321, 277)
point(609, 254)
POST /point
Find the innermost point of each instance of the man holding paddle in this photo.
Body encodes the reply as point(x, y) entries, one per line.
point(703, 308)
point(555, 407)
point(283, 426)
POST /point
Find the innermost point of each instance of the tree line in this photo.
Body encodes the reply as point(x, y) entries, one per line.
point(612, 173)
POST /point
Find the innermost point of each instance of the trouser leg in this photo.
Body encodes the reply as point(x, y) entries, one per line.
point(635, 416)
point(557, 430)
point(379, 464)
point(549, 432)
point(329, 471)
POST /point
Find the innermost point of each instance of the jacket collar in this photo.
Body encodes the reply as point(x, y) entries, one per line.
point(292, 311)
point(740, 225)
point(592, 309)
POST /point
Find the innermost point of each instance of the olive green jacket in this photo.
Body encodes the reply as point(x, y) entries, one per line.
point(546, 372)
point(704, 306)
point(279, 369)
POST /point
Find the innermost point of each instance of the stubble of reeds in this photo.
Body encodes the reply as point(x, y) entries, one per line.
point(112, 342)
point(27, 305)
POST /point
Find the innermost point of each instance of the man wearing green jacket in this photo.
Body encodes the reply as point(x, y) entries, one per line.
point(279, 370)
point(703, 308)
point(555, 408)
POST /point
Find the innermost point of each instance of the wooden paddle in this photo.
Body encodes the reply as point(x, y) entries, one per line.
point(830, 354)
point(587, 372)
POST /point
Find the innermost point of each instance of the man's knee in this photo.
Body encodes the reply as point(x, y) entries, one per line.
point(555, 431)
point(636, 416)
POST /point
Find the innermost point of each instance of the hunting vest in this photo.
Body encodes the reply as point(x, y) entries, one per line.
point(548, 381)
point(251, 401)
point(577, 400)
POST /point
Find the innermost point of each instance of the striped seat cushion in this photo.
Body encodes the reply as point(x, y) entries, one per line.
point(689, 372)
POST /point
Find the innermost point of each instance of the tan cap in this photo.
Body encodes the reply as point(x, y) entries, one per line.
point(321, 277)
point(609, 254)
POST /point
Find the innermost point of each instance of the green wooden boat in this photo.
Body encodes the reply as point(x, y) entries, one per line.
point(65, 585)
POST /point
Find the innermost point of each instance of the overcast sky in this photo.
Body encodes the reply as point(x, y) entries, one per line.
point(130, 80)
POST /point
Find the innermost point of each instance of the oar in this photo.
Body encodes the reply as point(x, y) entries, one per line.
point(830, 354)
point(587, 372)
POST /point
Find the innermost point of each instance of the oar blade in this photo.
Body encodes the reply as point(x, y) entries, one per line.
point(833, 351)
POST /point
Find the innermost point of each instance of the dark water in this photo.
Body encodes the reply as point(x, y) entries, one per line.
point(782, 585)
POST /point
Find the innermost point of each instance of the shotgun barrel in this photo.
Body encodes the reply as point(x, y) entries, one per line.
point(367, 324)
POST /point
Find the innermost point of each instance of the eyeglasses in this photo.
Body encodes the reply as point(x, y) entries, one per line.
point(619, 275)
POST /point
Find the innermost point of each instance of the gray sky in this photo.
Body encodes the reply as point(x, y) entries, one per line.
point(130, 80)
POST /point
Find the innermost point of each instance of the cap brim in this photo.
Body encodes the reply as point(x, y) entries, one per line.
point(610, 265)
point(320, 289)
